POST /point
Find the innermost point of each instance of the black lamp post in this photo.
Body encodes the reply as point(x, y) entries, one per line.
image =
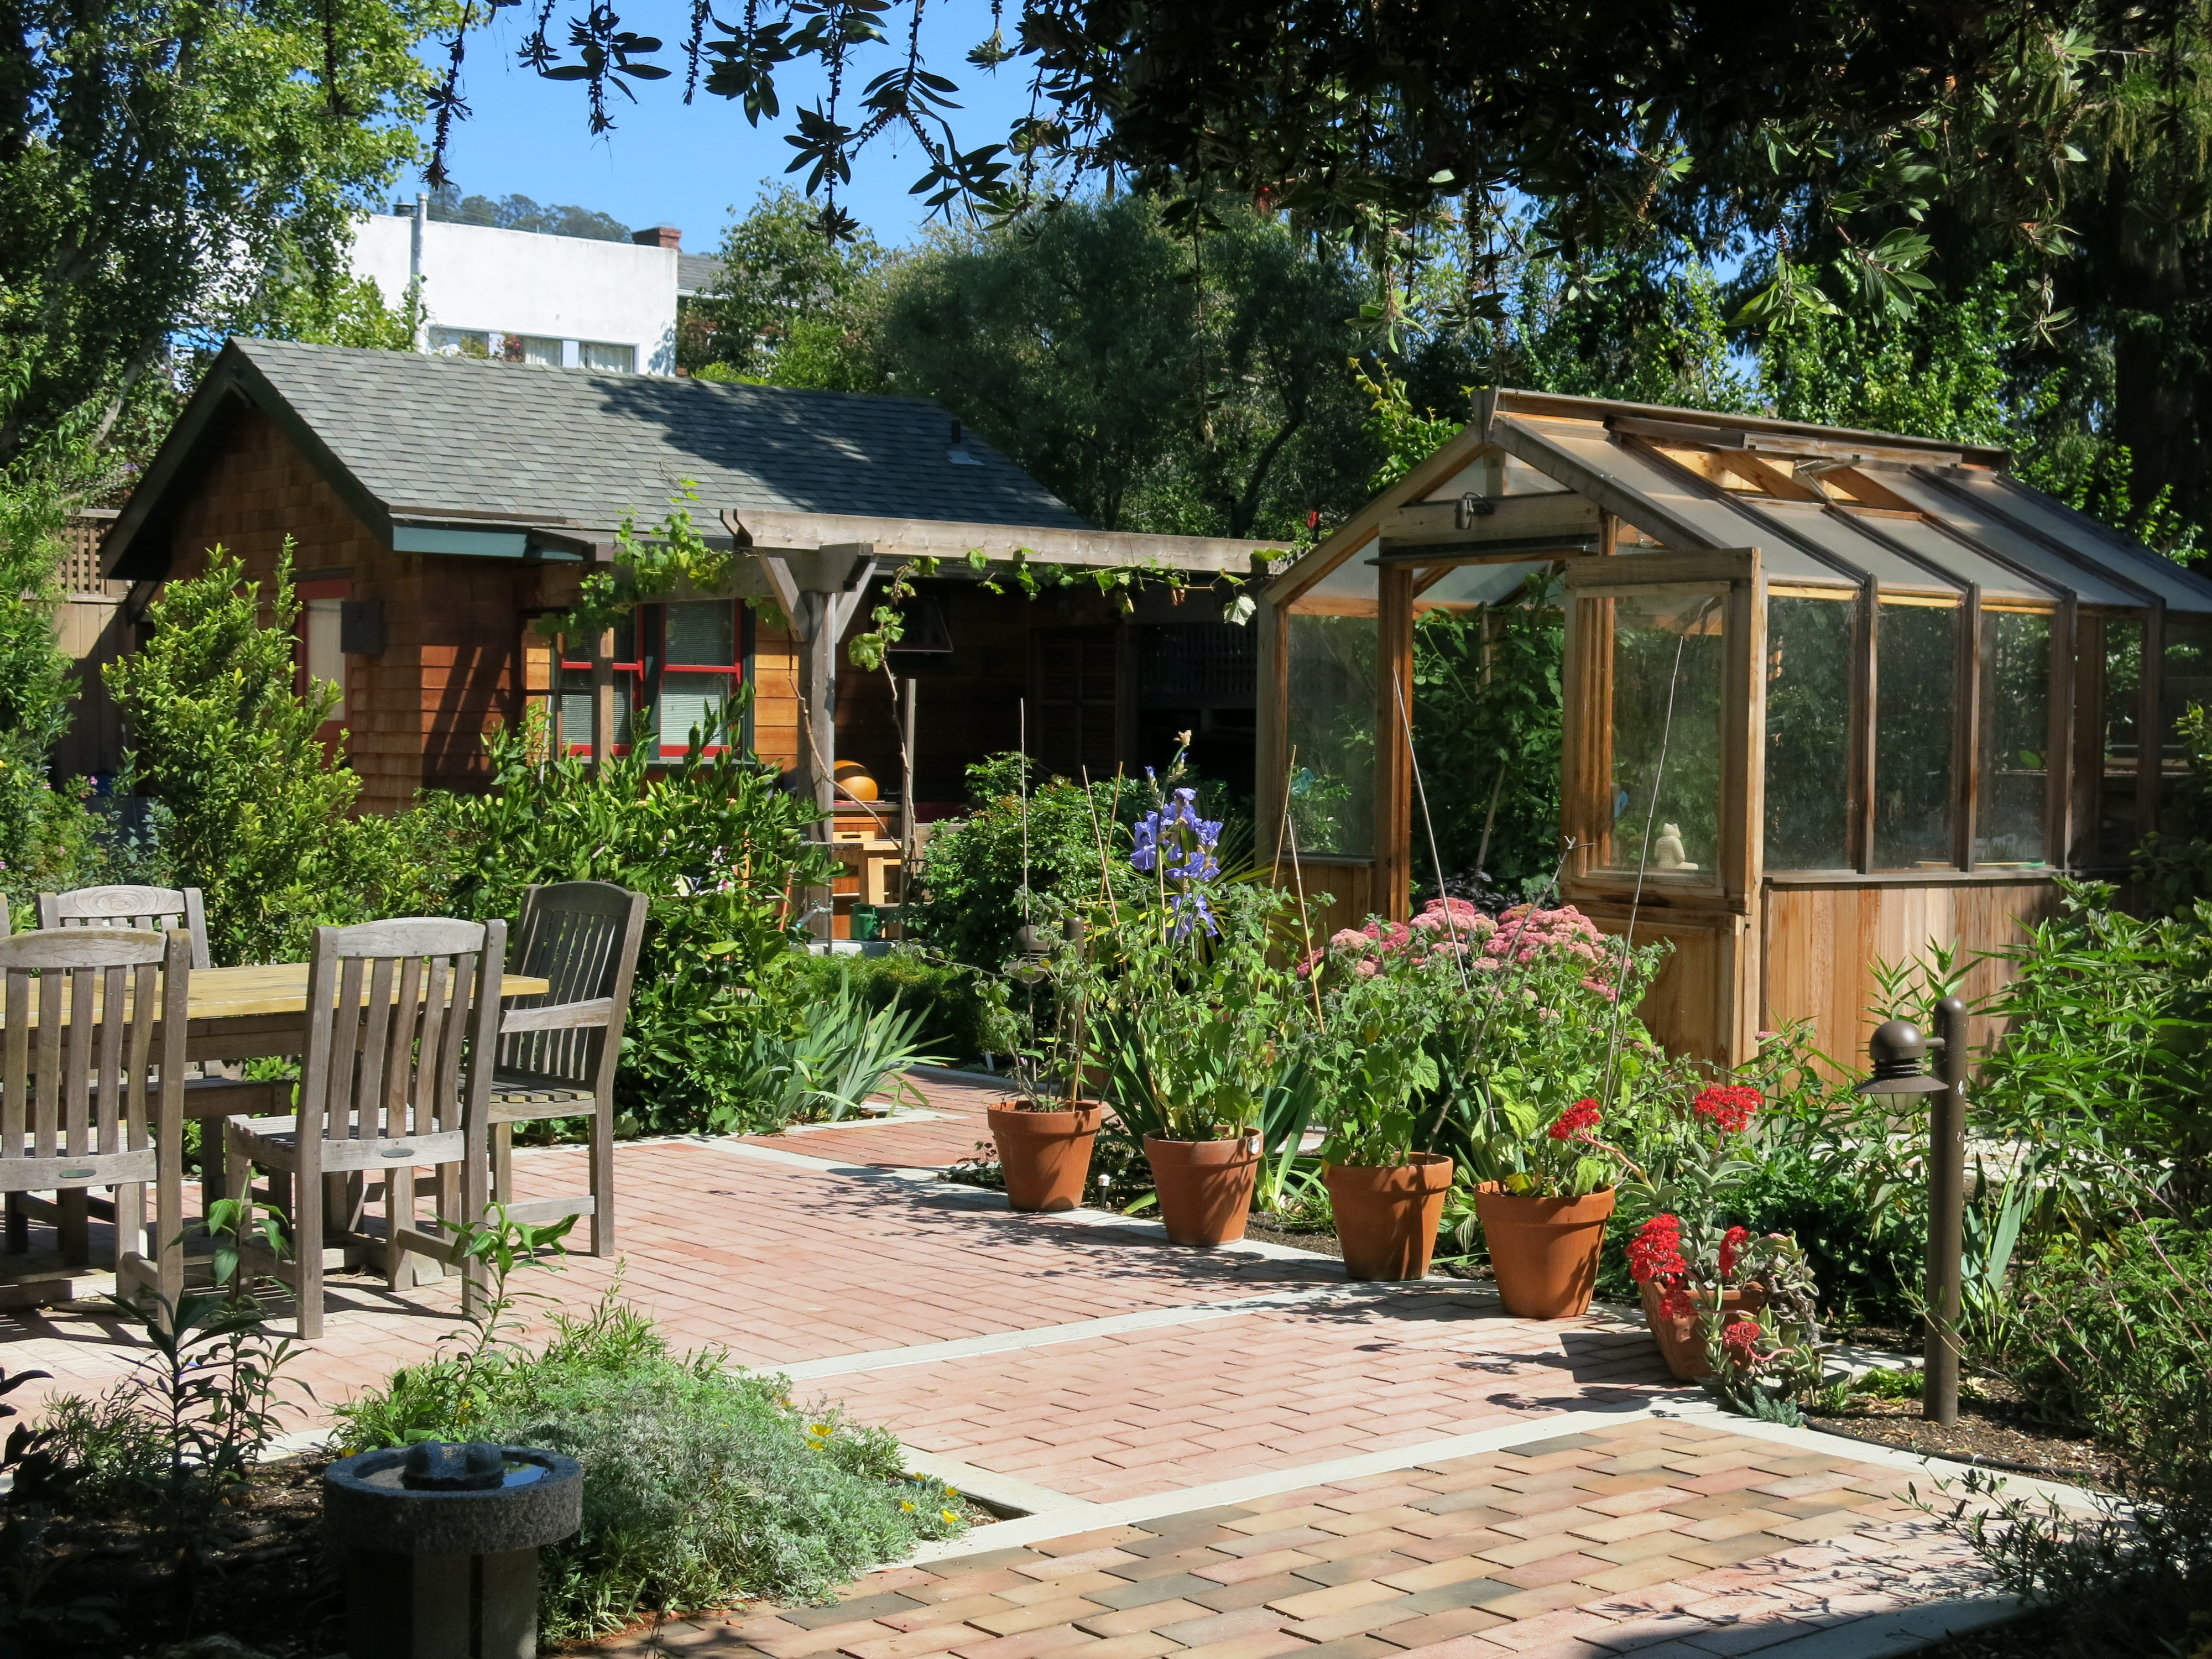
point(1899, 1053)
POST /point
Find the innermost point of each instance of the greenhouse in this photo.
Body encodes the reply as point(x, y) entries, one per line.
point(1824, 698)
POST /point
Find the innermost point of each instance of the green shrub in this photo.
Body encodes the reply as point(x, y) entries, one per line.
point(971, 898)
point(249, 806)
point(2103, 1330)
point(720, 852)
point(1869, 1267)
point(838, 1057)
point(962, 1013)
point(702, 1483)
point(2120, 1335)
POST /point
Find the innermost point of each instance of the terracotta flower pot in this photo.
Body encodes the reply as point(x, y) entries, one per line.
point(1681, 1337)
point(1046, 1154)
point(1387, 1218)
point(1543, 1250)
point(1205, 1187)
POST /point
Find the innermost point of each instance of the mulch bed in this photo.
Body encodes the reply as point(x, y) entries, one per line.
point(105, 1592)
point(1995, 1429)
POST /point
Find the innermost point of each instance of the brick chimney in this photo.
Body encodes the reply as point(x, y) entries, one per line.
point(665, 236)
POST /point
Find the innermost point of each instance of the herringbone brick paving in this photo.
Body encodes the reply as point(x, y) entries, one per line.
point(1653, 1536)
point(1649, 1533)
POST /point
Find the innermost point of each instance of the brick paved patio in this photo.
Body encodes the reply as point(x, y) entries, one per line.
point(1226, 1454)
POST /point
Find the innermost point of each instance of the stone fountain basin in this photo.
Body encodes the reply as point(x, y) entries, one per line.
point(365, 1507)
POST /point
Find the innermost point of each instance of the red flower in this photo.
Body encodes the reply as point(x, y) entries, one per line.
point(1576, 1122)
point(1655, 1252)
point(1728, 1105)
point(1740, 1339)
point(1730, 1245)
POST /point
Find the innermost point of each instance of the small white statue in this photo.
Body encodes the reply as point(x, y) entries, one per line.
point(1666, 853)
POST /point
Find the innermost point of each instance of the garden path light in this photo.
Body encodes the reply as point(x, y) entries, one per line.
point(1899, 1052)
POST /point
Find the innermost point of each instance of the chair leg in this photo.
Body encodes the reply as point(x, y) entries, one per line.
point(128, 1235)
point(215, 1165)
point(502, 1162)
point(602, 1180)
point(307, 1253)
point(19, 1226)
point(475, 1177)
point(398, 1212)
point(73, 1221)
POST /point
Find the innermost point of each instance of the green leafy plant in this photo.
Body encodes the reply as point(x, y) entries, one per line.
point(721, 854)
point(842, 1054)
point(702, 1483)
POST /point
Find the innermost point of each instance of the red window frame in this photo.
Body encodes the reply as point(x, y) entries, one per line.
point(647, 669)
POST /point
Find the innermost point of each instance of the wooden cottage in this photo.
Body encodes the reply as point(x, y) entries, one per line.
point(438, 507)
point(1828, 696)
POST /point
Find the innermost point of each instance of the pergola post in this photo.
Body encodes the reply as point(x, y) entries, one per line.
point(819, 590)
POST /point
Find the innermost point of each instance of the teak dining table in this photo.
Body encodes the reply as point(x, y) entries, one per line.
point(246, 1013)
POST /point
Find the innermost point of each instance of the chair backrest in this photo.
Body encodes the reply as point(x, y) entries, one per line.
point(78, 1055)
point(150, 909)
point(584, 937)
point(403, 1016)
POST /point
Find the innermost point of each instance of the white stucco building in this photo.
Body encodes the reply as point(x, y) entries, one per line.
point(566, 301)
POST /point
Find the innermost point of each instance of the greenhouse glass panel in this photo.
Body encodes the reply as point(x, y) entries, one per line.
point(2014, 776)
point(1670, 667)
point(1916, 679)
point(1808, 733)
point(2185, 677)
point(2119, 790)
point(1331, 727)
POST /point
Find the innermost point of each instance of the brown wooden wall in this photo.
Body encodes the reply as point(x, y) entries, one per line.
point(451, 663)
point(1822, 943)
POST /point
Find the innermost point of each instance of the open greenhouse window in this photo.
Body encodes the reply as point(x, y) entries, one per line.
point(1668, 675)
point(1329, 645)
point(1488, 640)
point(1810, 637)
point(1915, 736)
point(2013, 769)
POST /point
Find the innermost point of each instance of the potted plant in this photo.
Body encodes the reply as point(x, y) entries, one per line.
point(1721, 1303)
point(1370, 1056)
point(1189, 1013)
point(1545, 1216)
point(1045, 1136)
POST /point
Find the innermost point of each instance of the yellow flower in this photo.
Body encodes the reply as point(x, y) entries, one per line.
point(950, 1519)
point(822, 1429)
point(907, 1507)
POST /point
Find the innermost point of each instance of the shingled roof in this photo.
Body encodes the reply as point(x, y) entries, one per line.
point(565, 453)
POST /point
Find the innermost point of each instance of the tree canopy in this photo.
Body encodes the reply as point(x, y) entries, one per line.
point(521, 212)
point(175, 172)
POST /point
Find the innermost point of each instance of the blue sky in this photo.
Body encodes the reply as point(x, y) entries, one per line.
point(668, 163)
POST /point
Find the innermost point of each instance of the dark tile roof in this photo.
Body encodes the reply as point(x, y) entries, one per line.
point(696, 272)
point(425, 434)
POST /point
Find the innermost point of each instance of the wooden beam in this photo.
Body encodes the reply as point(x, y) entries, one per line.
point(1865, 687)
point(908, 538)
point(1393, 754)
point(1557, 462)
point(1473, 519)
point(1966, 731)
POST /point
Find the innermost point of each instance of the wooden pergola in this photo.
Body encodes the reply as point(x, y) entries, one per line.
point(1829, 695)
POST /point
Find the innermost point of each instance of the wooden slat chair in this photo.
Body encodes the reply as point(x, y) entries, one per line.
point(386, 1088)
point(157, 909)
point(557, 1052)
point(97, 1102)
point(210, 1098)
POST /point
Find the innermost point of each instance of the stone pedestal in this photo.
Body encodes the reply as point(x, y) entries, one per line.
point(441, 1546)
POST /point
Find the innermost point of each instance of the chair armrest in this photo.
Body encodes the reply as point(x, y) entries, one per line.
point(560, 1016)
